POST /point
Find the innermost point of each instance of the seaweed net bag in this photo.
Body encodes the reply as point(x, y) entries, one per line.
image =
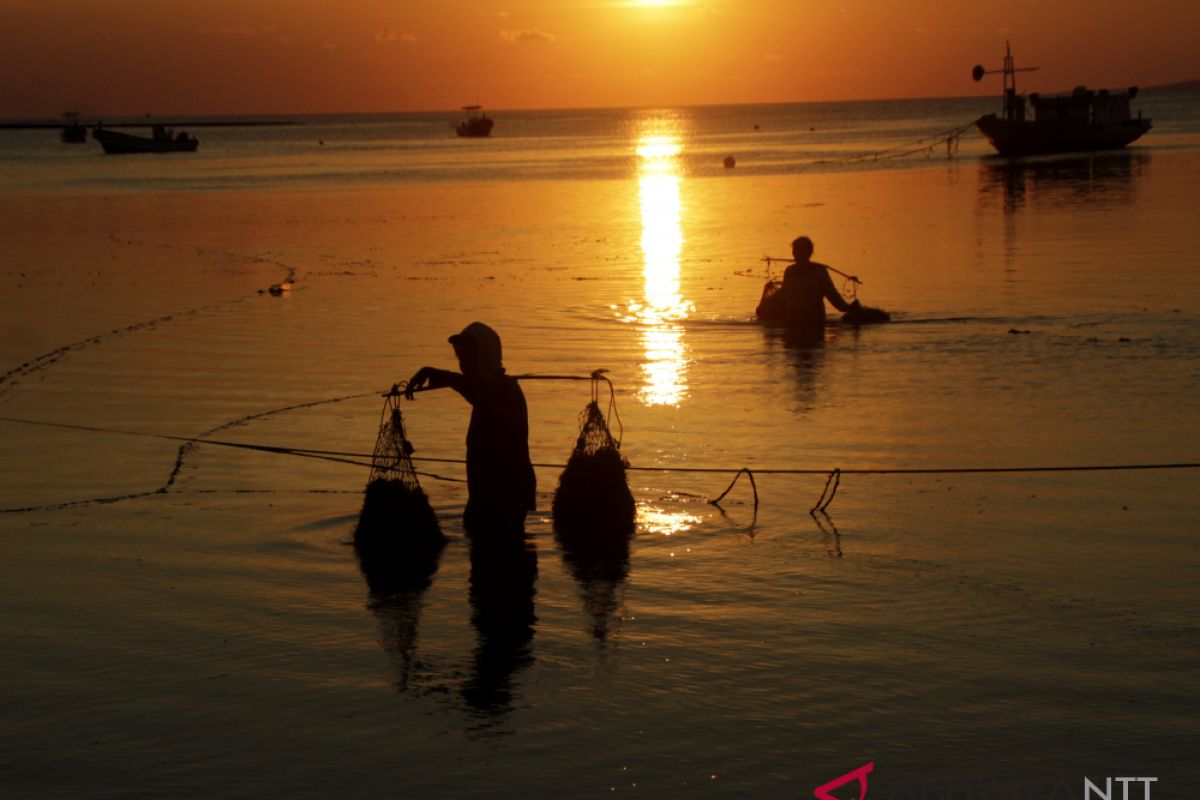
point(395, 510)
point(771, 306)
point(593, 496)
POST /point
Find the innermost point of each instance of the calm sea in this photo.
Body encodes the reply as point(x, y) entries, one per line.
point(192, 622)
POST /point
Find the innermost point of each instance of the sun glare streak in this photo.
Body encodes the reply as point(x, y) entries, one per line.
point(662, 306)
point(636, 4)
point(659, 522)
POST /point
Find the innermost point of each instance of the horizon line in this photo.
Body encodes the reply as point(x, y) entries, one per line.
point(144, 115)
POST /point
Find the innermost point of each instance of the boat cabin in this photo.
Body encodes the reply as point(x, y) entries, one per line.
point(1084, 107)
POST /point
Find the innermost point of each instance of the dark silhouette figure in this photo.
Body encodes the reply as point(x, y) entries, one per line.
point(806, 287)
point(501, 484)
point(502, 587)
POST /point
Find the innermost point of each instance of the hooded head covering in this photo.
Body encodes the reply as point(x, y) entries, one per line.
point(486, 344)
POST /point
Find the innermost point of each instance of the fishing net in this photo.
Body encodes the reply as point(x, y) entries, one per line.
point(396, 515)
point(593, 507)
point(771, 307)
point(594, 517)
point(865, 315)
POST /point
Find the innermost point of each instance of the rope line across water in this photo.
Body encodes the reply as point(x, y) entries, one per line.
point(831, 485)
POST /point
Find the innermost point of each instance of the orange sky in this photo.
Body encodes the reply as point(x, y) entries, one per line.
point(297, 56)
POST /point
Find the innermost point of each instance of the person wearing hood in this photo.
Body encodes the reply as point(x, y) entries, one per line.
point(501, 483)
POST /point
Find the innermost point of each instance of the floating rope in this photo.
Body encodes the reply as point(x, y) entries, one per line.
point(926, 145)
point(345, 457)
point(833, 478)
point(728, 489)
point(831, 486)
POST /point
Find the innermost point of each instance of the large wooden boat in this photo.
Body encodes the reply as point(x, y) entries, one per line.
point(476, 124)
point(163, 140)
point(1080, 120)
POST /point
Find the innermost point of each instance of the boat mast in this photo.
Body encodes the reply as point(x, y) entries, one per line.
point(1010, 84)
point(1014, 107)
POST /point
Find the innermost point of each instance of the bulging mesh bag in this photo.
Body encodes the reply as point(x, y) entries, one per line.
point(593, 504)
point(396, 515)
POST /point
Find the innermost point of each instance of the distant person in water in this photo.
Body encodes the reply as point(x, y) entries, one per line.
point(501, 484)
point(806, 287)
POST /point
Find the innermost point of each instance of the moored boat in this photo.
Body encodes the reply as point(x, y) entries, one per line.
point(1080, 120)
point(476, 124)
point(72, 131)
point(163, 140)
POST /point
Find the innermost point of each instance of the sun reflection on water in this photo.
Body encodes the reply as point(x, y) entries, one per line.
point(660, 522)
point(662, 306)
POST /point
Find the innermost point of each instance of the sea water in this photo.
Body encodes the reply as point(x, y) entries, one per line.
point(190, 620)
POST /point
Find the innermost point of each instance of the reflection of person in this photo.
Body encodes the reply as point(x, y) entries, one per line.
point(500, 480)
point(501, 592)
point(806, 287)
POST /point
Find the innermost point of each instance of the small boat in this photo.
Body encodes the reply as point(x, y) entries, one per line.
point(72, 131)
point(1081, 120)
point(476, 124)
point(163, 140)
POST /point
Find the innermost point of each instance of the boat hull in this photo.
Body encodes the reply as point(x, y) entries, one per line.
point(1013, 138)
point(479, 126)
point(116, 143)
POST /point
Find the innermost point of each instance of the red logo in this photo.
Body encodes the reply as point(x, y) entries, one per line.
point(823, 792)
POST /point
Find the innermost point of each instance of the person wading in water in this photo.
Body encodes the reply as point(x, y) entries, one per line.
point(806, 287)
point(501, 483)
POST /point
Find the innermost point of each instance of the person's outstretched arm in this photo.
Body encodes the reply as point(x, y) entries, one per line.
point(434, 378)
point(832, 294)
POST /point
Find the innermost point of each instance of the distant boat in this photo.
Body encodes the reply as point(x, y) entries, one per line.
point(1078, 121)
point(72, 131)
point(476, 124)
point(163, 140)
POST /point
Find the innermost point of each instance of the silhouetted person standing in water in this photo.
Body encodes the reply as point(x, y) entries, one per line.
point(500, 480)
point(806, 287)
point(501, 485)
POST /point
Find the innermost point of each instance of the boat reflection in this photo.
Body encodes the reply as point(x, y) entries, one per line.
point(1102, 179)
point(662, 307)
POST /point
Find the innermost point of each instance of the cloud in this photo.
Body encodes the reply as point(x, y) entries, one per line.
point(526, 36)
point(228, 30)
point(392, 35)
point(838, 73)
